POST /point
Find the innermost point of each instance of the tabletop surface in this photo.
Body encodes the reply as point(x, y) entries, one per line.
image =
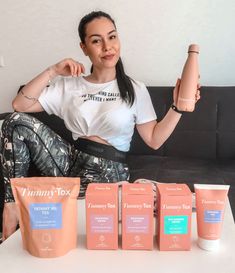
point(14, 259)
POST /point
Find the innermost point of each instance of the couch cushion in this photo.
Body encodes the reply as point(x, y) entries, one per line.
point(182, 170)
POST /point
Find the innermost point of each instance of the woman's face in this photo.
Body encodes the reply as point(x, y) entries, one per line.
point(102, 44)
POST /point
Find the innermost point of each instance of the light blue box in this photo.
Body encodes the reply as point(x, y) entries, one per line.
point(46, 215)
point(212, 216)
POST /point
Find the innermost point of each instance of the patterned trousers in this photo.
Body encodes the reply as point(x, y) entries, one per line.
point(26, 140)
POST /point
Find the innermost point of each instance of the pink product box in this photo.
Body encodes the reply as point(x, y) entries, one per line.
point(102, 216)
point(174, 216)
point(137, 216)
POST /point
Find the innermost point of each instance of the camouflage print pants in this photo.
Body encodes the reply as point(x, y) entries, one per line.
point(24, 139)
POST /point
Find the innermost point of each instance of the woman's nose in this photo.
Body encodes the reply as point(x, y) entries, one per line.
point(106, 46)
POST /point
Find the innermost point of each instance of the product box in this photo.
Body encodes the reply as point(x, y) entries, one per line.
point(102, 216)
point(174, 216)
point(137, 216)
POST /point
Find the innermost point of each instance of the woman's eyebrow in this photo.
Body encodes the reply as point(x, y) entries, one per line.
point(110, 32)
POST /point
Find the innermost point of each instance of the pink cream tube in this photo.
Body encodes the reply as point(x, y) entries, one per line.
point(210, 205)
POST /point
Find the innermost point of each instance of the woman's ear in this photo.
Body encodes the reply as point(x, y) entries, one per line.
point(83, 47)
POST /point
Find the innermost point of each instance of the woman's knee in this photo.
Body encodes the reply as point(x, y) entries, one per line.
point(15, 118)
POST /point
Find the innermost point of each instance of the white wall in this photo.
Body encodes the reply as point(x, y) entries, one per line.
point(155, 35)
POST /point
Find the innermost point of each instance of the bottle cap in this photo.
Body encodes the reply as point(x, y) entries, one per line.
point(210, 245)
point(193, 48)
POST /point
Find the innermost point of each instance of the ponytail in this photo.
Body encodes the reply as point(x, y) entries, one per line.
point(124, 84)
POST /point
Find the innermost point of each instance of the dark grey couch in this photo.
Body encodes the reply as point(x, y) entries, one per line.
point(201, 149)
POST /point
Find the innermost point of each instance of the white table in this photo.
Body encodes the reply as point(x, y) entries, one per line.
point(14, 259)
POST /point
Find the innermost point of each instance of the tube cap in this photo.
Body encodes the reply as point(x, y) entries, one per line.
point(210, 245)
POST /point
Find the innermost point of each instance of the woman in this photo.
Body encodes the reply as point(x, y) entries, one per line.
point(101, 110)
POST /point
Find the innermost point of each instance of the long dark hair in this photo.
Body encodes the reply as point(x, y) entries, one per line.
point(125, 86)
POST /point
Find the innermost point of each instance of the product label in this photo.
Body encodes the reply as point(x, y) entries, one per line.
point(137, 223)
point(101, 223)
point(45, 216)
point(177, 224)
point(212, 216)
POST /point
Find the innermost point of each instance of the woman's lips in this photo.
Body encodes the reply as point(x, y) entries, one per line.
point(108, 57)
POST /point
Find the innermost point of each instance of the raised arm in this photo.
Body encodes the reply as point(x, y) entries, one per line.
point(156, 133)
point(27, 98)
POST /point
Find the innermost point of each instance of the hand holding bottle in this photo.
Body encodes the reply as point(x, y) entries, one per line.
point(177, 89)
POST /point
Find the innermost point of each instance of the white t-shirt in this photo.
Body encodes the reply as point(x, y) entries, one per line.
point(90, 109)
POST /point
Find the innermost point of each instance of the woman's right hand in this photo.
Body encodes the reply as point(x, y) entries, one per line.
point(10, 220)
point(68, 67)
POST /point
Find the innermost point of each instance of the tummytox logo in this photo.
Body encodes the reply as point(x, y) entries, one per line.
point(45, 193)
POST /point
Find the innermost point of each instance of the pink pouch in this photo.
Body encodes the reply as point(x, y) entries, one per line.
point(47, 209)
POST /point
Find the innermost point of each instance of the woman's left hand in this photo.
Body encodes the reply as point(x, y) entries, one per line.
point(177, 88)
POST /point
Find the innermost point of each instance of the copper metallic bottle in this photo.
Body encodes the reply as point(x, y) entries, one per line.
point(189, 81)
